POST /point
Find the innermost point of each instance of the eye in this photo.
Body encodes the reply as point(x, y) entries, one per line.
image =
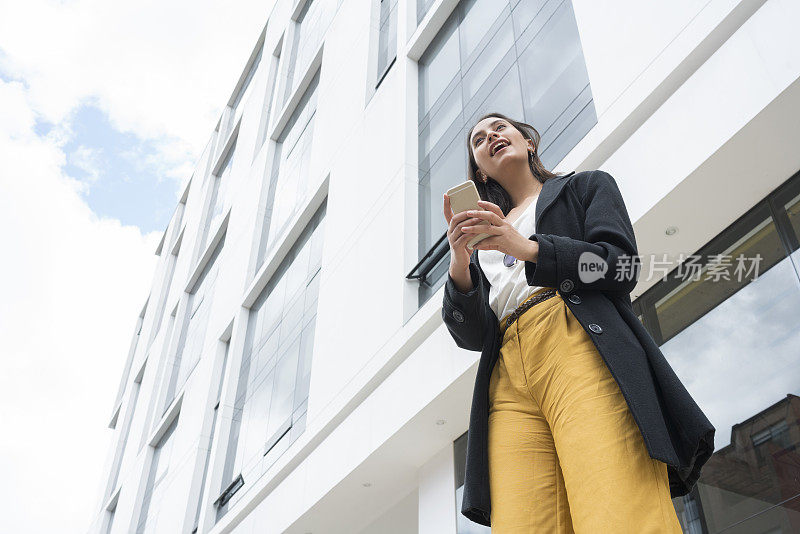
point(477, 141)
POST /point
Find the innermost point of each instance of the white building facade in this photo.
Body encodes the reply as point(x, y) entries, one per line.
point(289, 370)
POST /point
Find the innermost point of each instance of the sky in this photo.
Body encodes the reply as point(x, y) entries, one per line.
point(104, 109)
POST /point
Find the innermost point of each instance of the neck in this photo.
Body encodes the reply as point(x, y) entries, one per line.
point(521, 186)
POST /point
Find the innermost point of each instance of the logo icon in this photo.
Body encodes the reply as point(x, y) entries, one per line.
point(591, 267)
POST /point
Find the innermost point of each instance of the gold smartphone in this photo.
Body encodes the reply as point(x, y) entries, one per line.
point(465, 197)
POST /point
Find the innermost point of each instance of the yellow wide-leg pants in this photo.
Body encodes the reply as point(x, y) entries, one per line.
point(565, 454)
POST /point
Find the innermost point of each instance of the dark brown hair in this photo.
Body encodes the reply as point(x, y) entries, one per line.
point(492, 190)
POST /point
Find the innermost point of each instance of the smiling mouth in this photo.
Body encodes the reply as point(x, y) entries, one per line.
point(502, 143)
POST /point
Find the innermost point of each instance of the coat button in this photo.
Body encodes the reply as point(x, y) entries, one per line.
point(567, 285)
point(575, 299)
point(595, 328)
point(458, 316)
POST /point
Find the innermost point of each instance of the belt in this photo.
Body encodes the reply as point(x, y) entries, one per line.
point(522, 308)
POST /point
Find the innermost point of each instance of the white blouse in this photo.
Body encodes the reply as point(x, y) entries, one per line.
point(509, 286)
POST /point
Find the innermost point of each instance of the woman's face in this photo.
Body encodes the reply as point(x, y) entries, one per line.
point(498, 147)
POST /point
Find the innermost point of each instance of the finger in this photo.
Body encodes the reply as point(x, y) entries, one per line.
point(448, 211)
point(462, 240)
point(481, 229)
point(489, 216)
point(458, 233)
point(458, 218)
point(485, 204)
point(459, 222)
point(485, 244)
point(468, 222)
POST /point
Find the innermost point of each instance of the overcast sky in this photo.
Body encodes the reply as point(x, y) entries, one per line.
point(104, 109)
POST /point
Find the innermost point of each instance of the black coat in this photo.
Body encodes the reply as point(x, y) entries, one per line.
point(576, 213)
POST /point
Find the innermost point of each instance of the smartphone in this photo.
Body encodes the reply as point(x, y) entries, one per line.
point(465, 197)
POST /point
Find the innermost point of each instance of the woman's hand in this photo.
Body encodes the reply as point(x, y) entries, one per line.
point(459, 253)
point(503, 236)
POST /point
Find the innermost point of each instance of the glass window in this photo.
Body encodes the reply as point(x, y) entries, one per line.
point(438, 66)
point(159, 467)
point(171, 260)
point(792, 208)
point(497, 52)
point(310, 29)
point(152, 407)
point(553, 73)
point(272, 84)
point(521, 58)
point(473, 27)
point(506, 98)
point(246, 83)
point(131, 355)
point(210, 443)
point(452, 163)
point(193, 331)
point(178, 222)
point(726, 320)
point(122, 444)
point(273, 384)
point(387, 36)
point(446, 122)
point(422, 8)
point(220, 200)
point(243, 90)
point(290, 171)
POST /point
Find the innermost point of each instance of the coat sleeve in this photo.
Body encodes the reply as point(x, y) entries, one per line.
point(463, 312)
point(609, 235)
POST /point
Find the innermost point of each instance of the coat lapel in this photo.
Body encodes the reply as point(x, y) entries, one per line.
point(550, 190)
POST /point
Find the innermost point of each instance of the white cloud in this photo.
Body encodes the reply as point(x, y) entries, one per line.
point(72, 284)
point(162, 70)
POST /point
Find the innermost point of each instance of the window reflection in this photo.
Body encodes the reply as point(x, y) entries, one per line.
point(193, 329)
point(793, 212)
point(155, 487)
point(734, 342)
point(704, 288)
point(387, 36)
point(289, 185)
point(273, 384)
point(220, 197)
point(422, 8)
point(311, 25)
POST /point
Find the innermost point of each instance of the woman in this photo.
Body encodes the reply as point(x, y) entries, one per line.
point(578, 423)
